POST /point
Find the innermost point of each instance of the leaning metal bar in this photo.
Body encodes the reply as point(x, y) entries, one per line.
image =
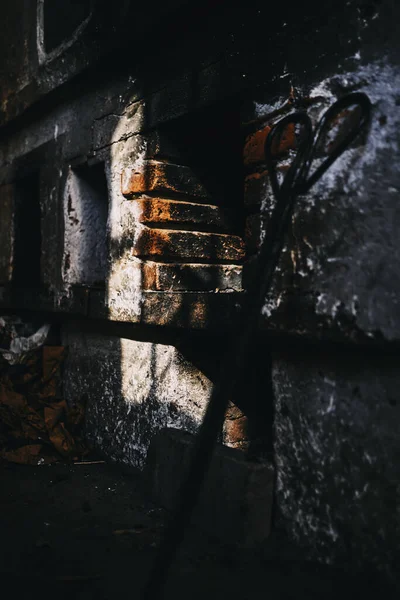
point(295, 182)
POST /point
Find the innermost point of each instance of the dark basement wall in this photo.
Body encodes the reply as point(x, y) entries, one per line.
point(131, 105)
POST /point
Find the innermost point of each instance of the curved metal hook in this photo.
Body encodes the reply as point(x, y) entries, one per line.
point(296, 180)
point(273, 140)
point(357, 99)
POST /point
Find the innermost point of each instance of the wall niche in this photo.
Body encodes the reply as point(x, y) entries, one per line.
point(85, 221)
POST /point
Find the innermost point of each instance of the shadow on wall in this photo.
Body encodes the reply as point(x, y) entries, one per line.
point(174, 212)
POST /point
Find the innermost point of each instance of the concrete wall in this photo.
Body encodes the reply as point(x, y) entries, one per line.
point(333, 310)
point(132, 389)
point(337, 456)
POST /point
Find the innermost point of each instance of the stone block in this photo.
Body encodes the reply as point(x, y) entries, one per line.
point(236, 500)
point(188, 245)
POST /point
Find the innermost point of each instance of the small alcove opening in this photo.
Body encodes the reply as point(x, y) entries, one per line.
point(61, 19)
point(210, 142)
point(27, 233)
point(85, 219)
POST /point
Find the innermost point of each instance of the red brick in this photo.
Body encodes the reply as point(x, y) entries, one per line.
point(165, 178)
point(188, 245)
point(253, 151)
point(286, 143)
point(191, 277)
point(188, 215)
point(235, 432)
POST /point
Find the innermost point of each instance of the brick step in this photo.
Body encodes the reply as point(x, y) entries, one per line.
point(165, 178)
point(158, 212)
point(187, 246)
point(174, 277)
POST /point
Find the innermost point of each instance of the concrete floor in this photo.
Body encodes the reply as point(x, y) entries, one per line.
point(89, 532)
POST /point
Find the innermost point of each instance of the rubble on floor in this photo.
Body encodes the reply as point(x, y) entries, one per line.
point(36, 424)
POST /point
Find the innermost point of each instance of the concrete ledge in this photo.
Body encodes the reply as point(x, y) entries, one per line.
point(236, 500)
